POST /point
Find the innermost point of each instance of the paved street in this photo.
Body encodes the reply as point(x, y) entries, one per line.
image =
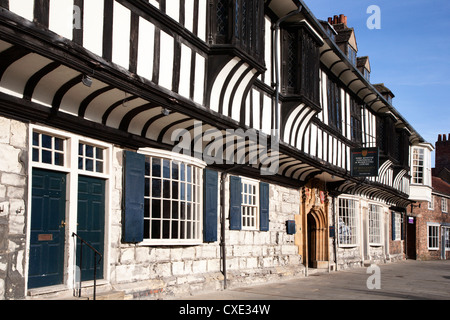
point(405, 280)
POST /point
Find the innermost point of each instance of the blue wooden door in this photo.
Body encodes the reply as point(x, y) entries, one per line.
point(48, 212)
point(91, 224)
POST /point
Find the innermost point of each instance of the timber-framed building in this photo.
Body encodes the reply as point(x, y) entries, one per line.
point(194, 144)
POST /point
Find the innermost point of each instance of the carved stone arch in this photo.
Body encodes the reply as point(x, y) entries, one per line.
point(313, 241)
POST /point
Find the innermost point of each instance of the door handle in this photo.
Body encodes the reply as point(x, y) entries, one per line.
point(63, 224)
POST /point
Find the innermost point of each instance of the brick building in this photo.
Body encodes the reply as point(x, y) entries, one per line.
point(428, 222)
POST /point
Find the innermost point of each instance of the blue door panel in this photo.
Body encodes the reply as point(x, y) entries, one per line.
point(91, 222)
point(48, 205)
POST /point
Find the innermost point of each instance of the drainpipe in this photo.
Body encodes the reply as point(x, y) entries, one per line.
point(336, 230)
point(223, 251)
point(276, 28)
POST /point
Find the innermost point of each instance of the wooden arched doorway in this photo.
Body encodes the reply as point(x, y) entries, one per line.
point(317, 239)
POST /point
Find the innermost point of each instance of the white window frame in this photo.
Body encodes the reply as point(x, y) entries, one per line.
point(375, 224)
point(96, 160)
point(433, 236)
point(348, 226)
point(52, 150)
point(431, 203)
point(71, 144)
point(417, 163)
point(250, 204)
point(197, 220)
point(444, 205)
point(446, 231)
point(398, 226)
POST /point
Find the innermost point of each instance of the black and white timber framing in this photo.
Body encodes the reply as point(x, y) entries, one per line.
point(147, 57)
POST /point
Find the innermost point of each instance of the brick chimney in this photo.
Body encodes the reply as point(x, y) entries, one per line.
point(442, 153)
point(341, 19)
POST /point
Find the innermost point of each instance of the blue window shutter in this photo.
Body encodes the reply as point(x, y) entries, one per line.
point(235, 203)
point(264, 206)
point(210, 201)
point(393, 225)
point(133, 217)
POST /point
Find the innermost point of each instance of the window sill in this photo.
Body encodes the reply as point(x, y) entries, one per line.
point(377, 245)
point(169, 243)
point(348, 246)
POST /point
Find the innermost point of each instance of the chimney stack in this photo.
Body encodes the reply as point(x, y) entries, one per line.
point(442, 153)
point(338, 19)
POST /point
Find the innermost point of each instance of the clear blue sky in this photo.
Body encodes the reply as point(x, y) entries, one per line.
point(410, 54)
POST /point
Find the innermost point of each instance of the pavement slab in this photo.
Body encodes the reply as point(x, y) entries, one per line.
point(404, 280)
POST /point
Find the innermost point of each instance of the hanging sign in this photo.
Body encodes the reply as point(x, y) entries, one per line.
point(364, 162)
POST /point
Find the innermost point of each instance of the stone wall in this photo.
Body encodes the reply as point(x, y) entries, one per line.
point(148, 272)
point(13, 214)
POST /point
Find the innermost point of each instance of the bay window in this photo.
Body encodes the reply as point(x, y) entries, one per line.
point(173, 205)
point(418, 166)
point(239, 23)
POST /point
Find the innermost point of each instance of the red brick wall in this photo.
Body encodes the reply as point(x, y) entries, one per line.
point(423, 217)
point(395, 247)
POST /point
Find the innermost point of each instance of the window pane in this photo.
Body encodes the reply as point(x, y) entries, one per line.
point(147, 188)
point(182, 210)
point(189, 194)
point(89, 165)
point(188, 211)
point(182, 191)
point(146, 229)
point(59, 159)
point(59, 144)
point(46, 156)
point(166, 209)
point(166, 229)
point(99, 153)
point(156, 188)
point(166, 169)
point(189, 174)
point(156, 229)
point(175, 170)
point(175, 190)
point(182, 230)
point(89, 151)
point(182, 172)
point(99, 167)
point(35, 155)
point(156, 209)
point(174, 209)
point(175, 230)
point(156, 167)
point(46, 141)
point(36, 138)
point(147, 166)
point(147, 208)
point(166, 189)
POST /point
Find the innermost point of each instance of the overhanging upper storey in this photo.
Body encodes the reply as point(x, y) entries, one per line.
point(335, 58)
point(149, 75)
